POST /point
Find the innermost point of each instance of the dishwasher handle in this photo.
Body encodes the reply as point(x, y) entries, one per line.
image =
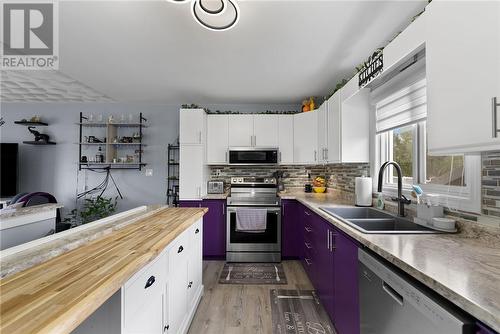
point(393, 293)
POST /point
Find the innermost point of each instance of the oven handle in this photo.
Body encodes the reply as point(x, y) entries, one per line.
point(269, 209)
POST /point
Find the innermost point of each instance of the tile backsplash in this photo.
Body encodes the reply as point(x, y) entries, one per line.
point(339, 176)
point(491, 184)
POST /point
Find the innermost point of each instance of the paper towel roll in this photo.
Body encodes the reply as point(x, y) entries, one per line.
point(363, 191)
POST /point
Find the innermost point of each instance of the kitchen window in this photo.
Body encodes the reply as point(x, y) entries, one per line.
point(400, 121)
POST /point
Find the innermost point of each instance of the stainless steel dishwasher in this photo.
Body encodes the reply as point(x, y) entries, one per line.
point(391, 304)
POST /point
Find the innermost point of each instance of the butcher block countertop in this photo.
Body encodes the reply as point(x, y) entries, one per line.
point(57, 295)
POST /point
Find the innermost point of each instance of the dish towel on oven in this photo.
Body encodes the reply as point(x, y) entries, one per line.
point(251, 220)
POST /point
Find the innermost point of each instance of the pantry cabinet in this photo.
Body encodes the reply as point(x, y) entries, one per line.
point(285, 139)
point(192, 129)
point(463, 76)
point(192, 172)
point(217, 139)
point(305, 138)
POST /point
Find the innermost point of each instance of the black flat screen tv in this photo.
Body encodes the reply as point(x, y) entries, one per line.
point(9, 169)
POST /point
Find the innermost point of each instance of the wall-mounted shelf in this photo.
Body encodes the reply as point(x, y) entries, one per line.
point(28, 123)
point(111, 148)
point(39, 142)
point(118, 125)
point(112, 165)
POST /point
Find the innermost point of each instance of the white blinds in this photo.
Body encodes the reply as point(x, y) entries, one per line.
point(406, 106)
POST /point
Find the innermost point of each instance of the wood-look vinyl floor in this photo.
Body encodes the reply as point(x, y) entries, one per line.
point(240, 309)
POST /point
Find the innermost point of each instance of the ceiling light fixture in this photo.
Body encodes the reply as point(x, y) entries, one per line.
point(215, 15)
point(223, 18)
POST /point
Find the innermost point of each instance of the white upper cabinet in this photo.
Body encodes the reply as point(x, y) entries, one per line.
point(241, 130)
point(323, 133)
point(192, 126)
point(265, 130)
point(463, 75)
point(305, 138)
point(217, 139)
point(285, 141)
point(334, 129)
point(349, 128)
point(407, 43)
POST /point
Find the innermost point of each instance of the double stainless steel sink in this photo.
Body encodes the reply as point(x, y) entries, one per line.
point(374, 221)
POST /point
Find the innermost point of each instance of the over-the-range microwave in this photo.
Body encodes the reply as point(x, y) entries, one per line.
point(248, 156)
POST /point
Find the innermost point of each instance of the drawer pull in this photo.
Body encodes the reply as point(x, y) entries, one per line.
point(308, 229)
point(180, 249)
point(165, 328)
point(190, 285)
point(197, 231)
point(308, 261)
point(150, 282)
point(308, 245)
point(307, 213)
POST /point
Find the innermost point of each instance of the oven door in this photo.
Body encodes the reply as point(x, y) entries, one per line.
point(253, 156)
point(268, 241)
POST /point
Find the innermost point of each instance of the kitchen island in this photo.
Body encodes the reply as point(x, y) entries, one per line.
point(59, 294)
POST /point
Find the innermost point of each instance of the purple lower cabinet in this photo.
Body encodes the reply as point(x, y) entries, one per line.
point(325, 275)
point(190, 204)
point(214, 229)
point(290, 230)
point(346, 293)
point(482, 329)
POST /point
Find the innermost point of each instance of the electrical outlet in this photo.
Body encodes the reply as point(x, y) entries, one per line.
point(149, 172)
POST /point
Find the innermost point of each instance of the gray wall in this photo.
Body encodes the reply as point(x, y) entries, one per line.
point(54, 168)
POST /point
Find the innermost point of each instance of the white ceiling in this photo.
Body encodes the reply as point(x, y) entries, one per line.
point(280, 52)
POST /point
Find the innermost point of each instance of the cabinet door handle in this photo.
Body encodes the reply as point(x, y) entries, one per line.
point(326, 154)
point(315, 155)
point(279, 155)
point(197, 231)
point(225, 156)
point(333, 243)
point(494, 115)
point(190, 285)
point(199, 137)
point(150, 282)
point(328, 240)
point(180, 249)
point(165, 328)
point(308, 229)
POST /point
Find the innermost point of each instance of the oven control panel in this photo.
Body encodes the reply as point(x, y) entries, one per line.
point(253, 180)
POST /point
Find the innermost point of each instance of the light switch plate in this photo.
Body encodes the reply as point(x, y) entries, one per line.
point(149, 172)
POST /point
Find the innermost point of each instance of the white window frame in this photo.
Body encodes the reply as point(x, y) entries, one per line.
point(466, 198)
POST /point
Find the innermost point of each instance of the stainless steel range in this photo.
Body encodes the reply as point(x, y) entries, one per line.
point(253, 220)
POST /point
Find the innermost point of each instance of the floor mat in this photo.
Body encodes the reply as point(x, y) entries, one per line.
point(299, 311)
point(253, 273)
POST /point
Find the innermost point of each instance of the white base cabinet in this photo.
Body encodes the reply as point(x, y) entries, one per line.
point(160, 298)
